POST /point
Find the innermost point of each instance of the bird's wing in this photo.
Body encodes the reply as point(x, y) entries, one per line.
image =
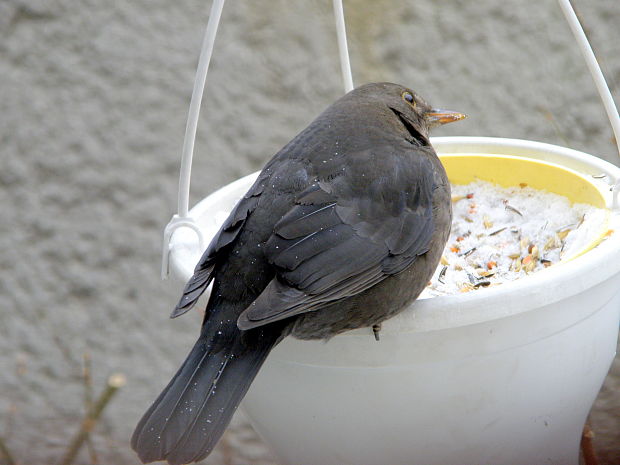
point(221, 242)
point(344, 236)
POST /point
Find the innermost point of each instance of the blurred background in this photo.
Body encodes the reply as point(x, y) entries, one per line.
point(93, 104)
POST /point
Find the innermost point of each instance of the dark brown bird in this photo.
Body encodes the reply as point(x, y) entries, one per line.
point(342, 229)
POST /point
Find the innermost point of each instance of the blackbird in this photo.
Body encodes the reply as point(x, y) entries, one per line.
point(342, 229)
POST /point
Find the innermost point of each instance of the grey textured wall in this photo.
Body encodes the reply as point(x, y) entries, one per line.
point(93, 102)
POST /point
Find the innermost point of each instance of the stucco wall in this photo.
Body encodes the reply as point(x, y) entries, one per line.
point(93, 102)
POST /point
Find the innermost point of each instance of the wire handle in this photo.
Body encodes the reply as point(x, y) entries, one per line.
point(182, 219)
point(345, 64)
point(593, 66)
point(599, 81)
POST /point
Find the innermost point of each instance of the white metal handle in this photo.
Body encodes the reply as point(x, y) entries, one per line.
point(345, 64)
point(182, 219)
point(593, 66)
point(599, 80)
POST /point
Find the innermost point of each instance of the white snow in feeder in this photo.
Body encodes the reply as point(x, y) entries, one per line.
point(501, 234)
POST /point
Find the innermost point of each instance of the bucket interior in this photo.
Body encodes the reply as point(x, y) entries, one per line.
point(509, 170)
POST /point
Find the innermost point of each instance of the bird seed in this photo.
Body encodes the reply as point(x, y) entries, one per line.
point(501, 234)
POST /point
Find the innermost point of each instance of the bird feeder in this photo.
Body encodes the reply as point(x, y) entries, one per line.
point(506, 375)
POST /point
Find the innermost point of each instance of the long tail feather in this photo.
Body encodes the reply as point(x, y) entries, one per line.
point(189, 416)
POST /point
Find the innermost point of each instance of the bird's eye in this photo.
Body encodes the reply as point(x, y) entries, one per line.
point(407, 96)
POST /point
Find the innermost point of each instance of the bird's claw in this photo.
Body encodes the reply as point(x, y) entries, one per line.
point(375, 330)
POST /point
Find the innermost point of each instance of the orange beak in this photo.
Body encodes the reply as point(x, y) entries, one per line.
point(435, 117)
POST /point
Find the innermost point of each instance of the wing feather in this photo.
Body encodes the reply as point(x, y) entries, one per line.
point(221, 242)
point(341, 238)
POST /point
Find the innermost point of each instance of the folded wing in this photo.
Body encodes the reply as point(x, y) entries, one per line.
point(343, 237)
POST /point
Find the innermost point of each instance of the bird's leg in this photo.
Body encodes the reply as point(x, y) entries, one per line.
point(375, 329)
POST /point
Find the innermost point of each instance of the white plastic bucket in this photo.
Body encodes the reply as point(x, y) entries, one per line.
point(504, 375)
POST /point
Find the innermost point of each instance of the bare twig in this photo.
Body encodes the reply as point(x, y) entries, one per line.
point(88, 381)
point(587, 448)
point(88, 403)
point(115, 382)
point(4, 451)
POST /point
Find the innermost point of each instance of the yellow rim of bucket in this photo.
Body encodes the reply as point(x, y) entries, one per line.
point(508, 170)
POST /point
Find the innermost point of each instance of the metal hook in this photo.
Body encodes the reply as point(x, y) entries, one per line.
point(175, 223)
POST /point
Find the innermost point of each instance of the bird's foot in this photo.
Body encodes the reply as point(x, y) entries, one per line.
point(375, 330)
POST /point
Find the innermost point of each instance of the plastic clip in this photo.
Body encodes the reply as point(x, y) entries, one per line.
point(175, 223)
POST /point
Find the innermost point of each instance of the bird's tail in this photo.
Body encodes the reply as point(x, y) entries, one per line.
point(189, 416)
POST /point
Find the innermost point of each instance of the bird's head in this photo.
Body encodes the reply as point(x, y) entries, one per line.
point(406, 108)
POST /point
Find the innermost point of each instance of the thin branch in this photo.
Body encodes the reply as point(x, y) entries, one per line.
point(88, 403)
point(115, 382)
point(587, 447)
